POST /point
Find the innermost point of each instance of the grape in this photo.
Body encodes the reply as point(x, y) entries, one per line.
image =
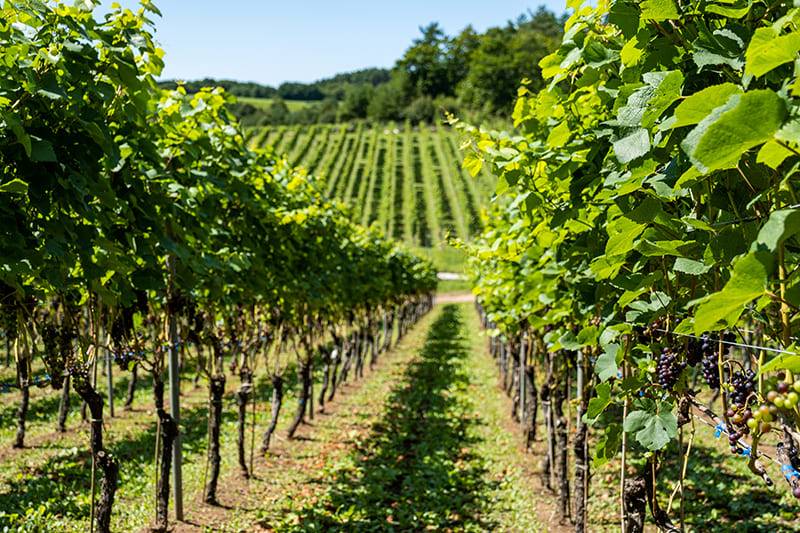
point(52, 355)
point(743, 386)
point(771, 396)
point(792, 399)
point(669, 369)
point(796, 492)
point(694, 352)
point(652, 331)
point(711, 370)
point(727, 337)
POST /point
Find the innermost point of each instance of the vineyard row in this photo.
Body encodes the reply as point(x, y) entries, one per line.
point(407, 181)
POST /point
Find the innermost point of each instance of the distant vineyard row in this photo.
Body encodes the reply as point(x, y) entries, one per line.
point(408, 181)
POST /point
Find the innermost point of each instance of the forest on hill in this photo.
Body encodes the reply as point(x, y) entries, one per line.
point(471, 72)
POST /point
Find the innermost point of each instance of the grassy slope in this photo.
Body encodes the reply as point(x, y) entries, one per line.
point(264, 103)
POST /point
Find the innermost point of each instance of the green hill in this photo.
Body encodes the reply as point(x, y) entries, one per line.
point(407, 181)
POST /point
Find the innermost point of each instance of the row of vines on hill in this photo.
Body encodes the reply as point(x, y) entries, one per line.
point(648, 221)
point(407, 181)
point(135, 220)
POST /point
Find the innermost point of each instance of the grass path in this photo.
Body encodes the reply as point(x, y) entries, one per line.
point(437, 455)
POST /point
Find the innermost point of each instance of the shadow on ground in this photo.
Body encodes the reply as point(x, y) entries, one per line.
point(415, 472)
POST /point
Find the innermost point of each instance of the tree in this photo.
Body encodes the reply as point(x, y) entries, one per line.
point(278, 112)
point(428, 64)
point(387, 103)
point(356, 101)
point(504, 58)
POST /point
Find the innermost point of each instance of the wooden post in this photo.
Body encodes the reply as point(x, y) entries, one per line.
point(174, 388)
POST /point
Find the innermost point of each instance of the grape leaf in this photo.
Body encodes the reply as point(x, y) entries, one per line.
point(754, 120)
point(606, 365)
point(653, 430)
point(767, 51)
point(748, 282)
point(780, 226)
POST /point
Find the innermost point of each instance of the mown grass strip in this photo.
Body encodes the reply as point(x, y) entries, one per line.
point(457, 198)
point(433, 197)
point(435, 459)
point(337, 169)
point(371, 192)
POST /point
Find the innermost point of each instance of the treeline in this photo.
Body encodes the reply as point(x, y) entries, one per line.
point(475, 73)
point(334, 87)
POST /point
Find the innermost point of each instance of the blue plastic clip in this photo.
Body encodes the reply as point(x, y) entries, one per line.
point(720, 429)
point(746, 451)
point(789, 471)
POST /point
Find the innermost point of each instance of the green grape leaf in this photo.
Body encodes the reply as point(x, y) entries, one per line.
point(15, 186)
point(660, 10)
point(599, 402)
point(698, 106)
point(568, 341)
point(669, 90)
point(748, 282)
point(780, 226)
point(624, 237)
point(650, 248)
point(632, 146)
point(625, 16)
point(607, 365)
point(730, 12)
point(690, 266)
point(42, 150)
point(773, 154)
point(753, 121)
point(589, 336)
point(472, 163)
point(784, 361)
point(607, 446)
point(653, 430)
point(720, 47)
point(767, 50)
point(559, 136)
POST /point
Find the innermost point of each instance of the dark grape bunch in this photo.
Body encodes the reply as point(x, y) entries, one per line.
point(52, 355)
point(734, 435)
point(669, 368)
point(743, 384)
point(123, 355)
point(694, 351)
point(708, 347)
point(8, 321)
point(741, 390)
point(78, 370)
point(653, 330)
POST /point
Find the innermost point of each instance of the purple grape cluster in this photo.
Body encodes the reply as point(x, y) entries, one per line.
point(738, 414)
point(694, 352)
point(710, 361)
point(52, 355)
point(743, 386)
point(669, 368)
point(654, 330)
point(78, 370)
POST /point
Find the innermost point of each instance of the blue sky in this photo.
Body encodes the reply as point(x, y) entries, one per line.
point(272, 42)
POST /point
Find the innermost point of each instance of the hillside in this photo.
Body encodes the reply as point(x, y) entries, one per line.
point(406, 180)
